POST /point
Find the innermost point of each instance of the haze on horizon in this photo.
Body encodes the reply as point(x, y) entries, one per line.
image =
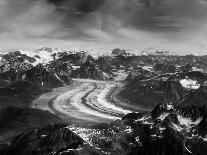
point(179, 26)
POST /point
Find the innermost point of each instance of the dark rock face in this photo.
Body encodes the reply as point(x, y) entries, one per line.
point(158, 110)
point(138, 73)
point(78, 58)
point(42, 77)
point(164, 68)
point(14, 120)
point(18, 94)
point(14, 65)
point(149, 93)
point(168, 144)
point(15, 58)
point(62, 70)
point(94, 69)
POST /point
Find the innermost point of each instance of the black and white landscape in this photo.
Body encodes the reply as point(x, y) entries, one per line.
point(103, 77)
point(64, 102)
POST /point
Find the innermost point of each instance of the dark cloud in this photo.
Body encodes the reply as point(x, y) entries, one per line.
point(83, 6)
point(170, 14)
point(107, 21)
point(152, 15)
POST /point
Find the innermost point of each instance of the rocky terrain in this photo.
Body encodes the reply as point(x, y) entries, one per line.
point(55, 101)
point(165, 130)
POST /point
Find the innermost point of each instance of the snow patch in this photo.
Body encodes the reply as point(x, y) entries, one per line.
point(147, 68)
point(44, 55)
point(169, 106)
point(84, 133)
point(189, 84)
point(76, 67)
point(197, 69)
point(128, 130)
point(163, 116)
point(188, 122)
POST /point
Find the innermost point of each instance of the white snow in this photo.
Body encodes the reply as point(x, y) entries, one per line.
point(128, 130)
point(57, 77)
point(85, 133)
point(188, 122)
point(197, 69)
point(76, 67)
point(105, 75)
point(77, 103)
point(185, 123)
point(147, 119)
point(163, 116)
point(92, 100)
point(70, 103)
point(205, 139)
point(101, 98)
point(137, 139)
point(45, 54)
point(189, 84)
point(147, 68)
point(169, 106)
point(176, 127)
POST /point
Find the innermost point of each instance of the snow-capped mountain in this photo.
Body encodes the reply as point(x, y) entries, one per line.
point(169, 90)
point(43, 55)
point(52, 63)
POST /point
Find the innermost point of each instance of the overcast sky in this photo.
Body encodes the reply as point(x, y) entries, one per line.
point(176, 25)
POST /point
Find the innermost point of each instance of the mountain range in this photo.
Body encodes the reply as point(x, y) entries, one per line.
point(169, 90)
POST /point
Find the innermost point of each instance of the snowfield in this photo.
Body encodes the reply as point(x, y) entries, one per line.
point(88, 102)
point(44, 55)
point(189, 84)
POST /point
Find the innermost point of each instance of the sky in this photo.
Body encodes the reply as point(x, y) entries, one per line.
point(178, 26)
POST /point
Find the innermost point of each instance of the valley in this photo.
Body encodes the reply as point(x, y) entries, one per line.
point(87, 102)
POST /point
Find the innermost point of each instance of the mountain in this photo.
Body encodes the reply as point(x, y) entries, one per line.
point(149, 87)
point(40, 70)
point(94, 69)
point(43, 77)
point(166, 130)
point(170, 89)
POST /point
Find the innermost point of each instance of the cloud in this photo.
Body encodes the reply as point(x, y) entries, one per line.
point(25, 18)
point(154, 15)
point(138, 24)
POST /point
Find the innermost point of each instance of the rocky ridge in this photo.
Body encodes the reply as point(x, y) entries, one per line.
point(165, 130)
